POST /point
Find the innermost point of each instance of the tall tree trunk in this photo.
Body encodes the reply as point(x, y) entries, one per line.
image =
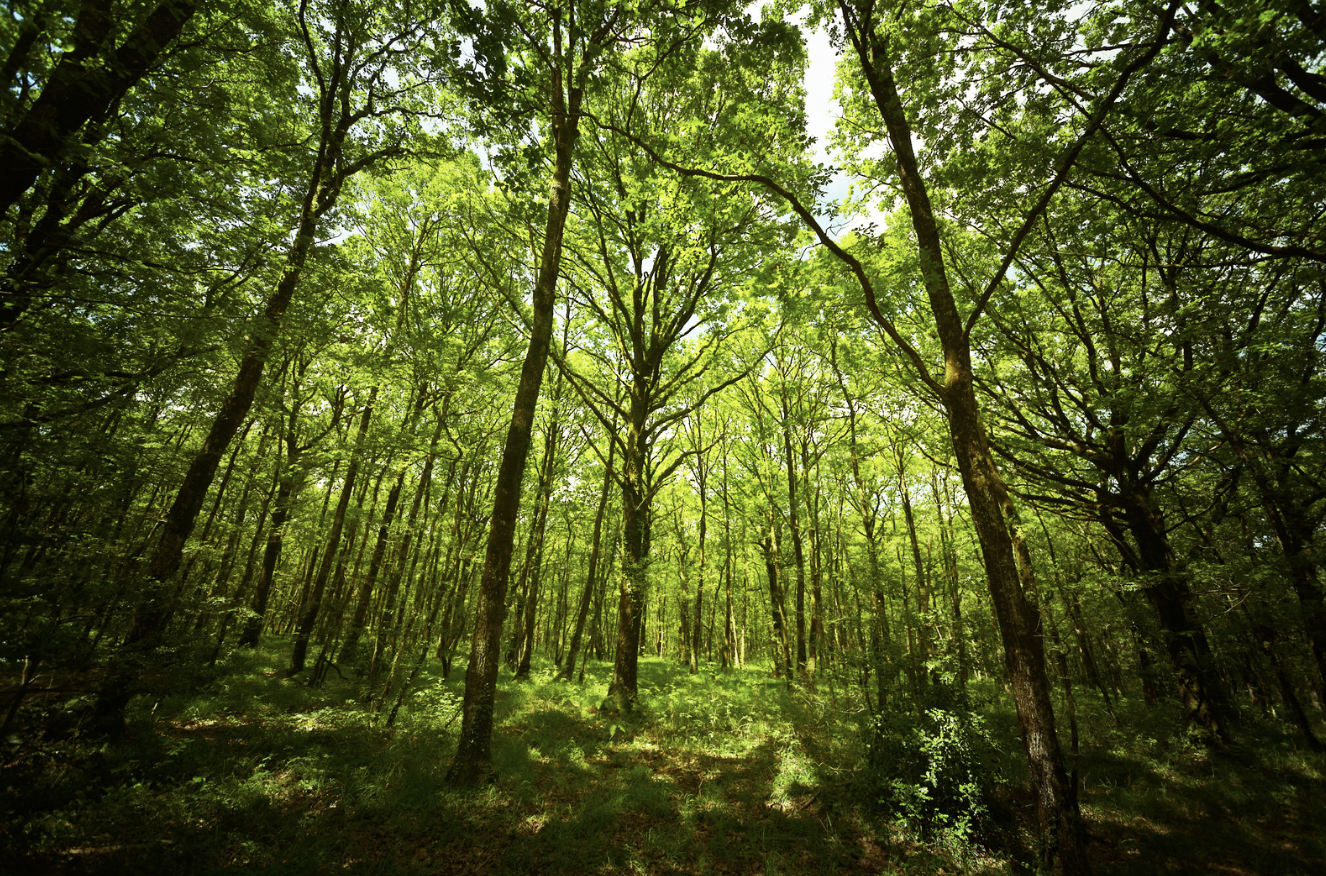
point(387, 621)
point(1295, 529)
point(777, 605)
point(815, 637)
point(231, 554)
point(365, 598)
point(949, 548)
point(1166, 589)
point(924, 647)
point(534, 563)
point(636, 525)
point(246, 579)
point(729, 627)
point(697, 639)
point(1291, 521)
point(1062, 834)
point(517, 632)
point(286, 493)
point(472, 764)
point(157, 609)
point(1073, 609)
point(525, 653)
point(1267, 636)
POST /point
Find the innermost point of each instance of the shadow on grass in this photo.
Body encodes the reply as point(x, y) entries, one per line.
point(1156, 805)
point(264, 774)
point(644, 809)
point(716, 773)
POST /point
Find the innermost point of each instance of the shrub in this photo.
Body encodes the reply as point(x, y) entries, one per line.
point(935, 771)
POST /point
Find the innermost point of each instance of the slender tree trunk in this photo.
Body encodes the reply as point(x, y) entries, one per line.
point(156, 610)
point(698, 634)
point(781, 646)
point(794, 526)
point(729, 629)
point(636, 511)
point(592, 575)
point(1293, 525)
point(924, 647)
point(949, 548)
point(1073, 609)
point(225, 478)
point(388, 620)
point(684, 624)
point(558, 635)
point(473, 761)
point(1183, 637)
point(880, 634)
point(517, 632)
point(525, 646)
point(813, 497)
point(1094, 674)
point(231, 555)
point(286, 493)
point(314, 606)
point(1294, 530)
point(550, 442)
point(1267, 637)
point(365, 598)
point(242, 591)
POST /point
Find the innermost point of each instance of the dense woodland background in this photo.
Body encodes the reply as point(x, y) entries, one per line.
point(276, 273)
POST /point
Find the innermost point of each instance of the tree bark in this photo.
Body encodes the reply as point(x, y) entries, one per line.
point(635, 556)
point(880, 635)
point(782, 648)
point(286, 492)
point(526, 650)
point(1166, 589)
point(923, 620)
point(84, 85)
point(472, 764)
point(154, 613)
point(698, 634)
point(794, 526)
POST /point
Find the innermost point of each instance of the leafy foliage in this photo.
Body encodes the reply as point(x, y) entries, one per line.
point(936, 770)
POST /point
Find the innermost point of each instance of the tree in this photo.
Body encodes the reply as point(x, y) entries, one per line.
point(1110, 357)
point(664, 257)
point(561, 47)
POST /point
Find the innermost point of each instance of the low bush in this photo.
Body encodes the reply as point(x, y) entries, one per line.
point(934, 769)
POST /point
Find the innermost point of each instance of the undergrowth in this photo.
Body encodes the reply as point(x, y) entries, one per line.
point(718, 772)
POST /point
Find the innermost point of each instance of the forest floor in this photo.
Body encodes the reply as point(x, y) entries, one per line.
point(721, 772)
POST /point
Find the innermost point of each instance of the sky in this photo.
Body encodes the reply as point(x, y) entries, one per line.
point(821, 108)
point(821, 111)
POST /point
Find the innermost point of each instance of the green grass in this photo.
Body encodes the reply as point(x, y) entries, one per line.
point(720, 772)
